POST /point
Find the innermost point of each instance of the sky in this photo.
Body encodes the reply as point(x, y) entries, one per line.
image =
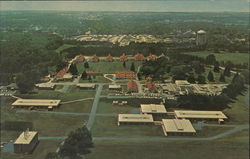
point(146, 6)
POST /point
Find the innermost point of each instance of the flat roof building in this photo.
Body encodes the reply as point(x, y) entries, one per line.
point(177, 127)
point(86, 85)
point(153, 109)
point(36, 103)
point(190, 114)
point(135, 119)
point(47, 85)
point(182, 82)
point(115, 87)
point(26, 142)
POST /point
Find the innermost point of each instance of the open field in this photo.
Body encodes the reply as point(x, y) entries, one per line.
point(169, 149)
point(72, 93)
point(108, 67)
point(107, 126)
point(238, 113)
point(63, 47)
point(237, 58)
point(106, 107)
point(40, 151)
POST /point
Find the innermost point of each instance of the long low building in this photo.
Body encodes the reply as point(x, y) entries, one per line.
point(86, 85)
point(177, 127)
point(189, 114)
point(26, 142)
point(47, 85)
point(135, 119)
point(37, 103)
point(156, 109)
point(115, 87)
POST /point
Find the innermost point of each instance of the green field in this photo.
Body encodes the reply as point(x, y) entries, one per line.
point(238, 112)
point(106, 107)
point(169, 149)
point(63, 47)
point(108, 67)
point(236, 58)
point(107, 127)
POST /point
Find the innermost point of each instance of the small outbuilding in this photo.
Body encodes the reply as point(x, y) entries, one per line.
point(115, 87)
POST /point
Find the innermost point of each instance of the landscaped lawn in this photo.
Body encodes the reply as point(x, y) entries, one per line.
point(237, 58)
point(72, 93)
point(107, 107)
point(107, 127)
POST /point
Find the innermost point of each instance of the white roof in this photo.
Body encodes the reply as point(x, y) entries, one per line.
point(45, 85)
point(86, 85)
point(67, 76)
point(200, 114)
point(135, 118)
point(201, 32)
point(114, 86)
point(26, 137)
point(153, 108)
point(177, 125)
point(170, 87)
point(182, 82)
point(36, 102)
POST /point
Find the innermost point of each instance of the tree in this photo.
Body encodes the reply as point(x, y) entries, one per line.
point(216, 66)
point(227, 71)
point(201, 79)
point(124, 64)
point(90, 78)
point(191, 78)
point(84, 75)
point(77, 143)
point(132, 67)
point(210, 76)
point(73, 69)
point(210, 59)
point(24, 82)
point(86, 65)
point(222, 78)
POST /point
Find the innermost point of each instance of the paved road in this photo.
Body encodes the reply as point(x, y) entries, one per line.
point(94, 107)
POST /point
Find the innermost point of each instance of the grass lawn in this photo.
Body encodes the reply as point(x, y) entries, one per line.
point(40, 151)
point(108, 67)
point(45, 124)
point(107, 127)
point(168, 149)
point(63, 47)
point(237, 58)
point(106, 107)
point(72, 93)
point(78, 107)
point(239, 111)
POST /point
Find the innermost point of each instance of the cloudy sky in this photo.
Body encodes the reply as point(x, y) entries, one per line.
point(114, 5)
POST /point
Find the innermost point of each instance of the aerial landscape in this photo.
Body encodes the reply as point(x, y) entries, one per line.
point(106, 82)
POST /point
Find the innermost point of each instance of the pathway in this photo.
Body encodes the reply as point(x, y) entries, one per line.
point(94, 107)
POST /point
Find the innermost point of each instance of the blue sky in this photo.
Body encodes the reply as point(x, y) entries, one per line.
point(151, 6)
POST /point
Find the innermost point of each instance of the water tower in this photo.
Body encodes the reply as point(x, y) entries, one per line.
point(201, 38)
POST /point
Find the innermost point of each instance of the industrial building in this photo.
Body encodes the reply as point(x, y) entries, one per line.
point(135, 119)
point(86, 85)
point(115, 87)
point(200, 115)
point(177, 127)
point(154, 109)
point(36, 103)
point(26, 142)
